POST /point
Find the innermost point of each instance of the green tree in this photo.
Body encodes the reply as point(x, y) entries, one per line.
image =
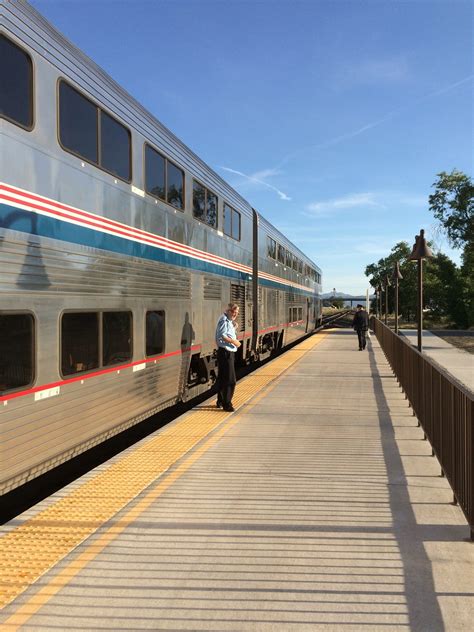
point(445, 290)
point(407, 286)
point(452, 204)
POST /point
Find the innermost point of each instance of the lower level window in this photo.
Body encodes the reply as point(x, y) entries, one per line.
point(79, 342)
point(116, 337)
point(16, 351)
point(155, 333)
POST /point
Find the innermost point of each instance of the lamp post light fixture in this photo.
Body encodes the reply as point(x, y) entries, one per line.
point(420, 251)
point(396, 276)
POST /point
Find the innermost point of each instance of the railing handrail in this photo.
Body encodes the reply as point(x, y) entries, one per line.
point(445, 410)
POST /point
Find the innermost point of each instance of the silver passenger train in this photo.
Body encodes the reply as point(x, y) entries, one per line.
point(118, 249)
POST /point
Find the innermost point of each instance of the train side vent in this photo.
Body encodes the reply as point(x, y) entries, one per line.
point(250, 295)
point(212, 289)
point(237, 295)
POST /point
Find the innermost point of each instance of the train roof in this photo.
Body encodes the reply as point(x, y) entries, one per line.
point(31, 27)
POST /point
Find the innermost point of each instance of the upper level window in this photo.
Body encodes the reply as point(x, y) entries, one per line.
point(89, 132)
point(231, 222)
point(289, 259)
point(271, 248)
point(204, 204)
point(78, 123)
point(16, 81)
point(16, 351)
point(281, 254)
point(163, 179)
point(115, 146)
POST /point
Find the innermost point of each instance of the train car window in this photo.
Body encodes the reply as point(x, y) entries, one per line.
point(154, 173)
point(204, 204)
point(199, 201)
point(175, 186)
point(231, 222)
point(78, 119)
point(16, 79)
point(211, 209)
point(16, 351)
point(289, 259)
point(155, 332)
point(281, 254)
point(227, 220)
point(271, 248)
point(236, 220)
point(116, 337)
point(79, 342)
point(114, 147)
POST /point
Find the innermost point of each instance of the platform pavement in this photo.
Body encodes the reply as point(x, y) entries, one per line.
point(321, 508)
point(459, 363)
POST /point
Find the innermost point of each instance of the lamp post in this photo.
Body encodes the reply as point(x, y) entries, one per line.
point(396, 276)
point(372, 283)
point(379, 301)
point(387, 284)
point(420, 251)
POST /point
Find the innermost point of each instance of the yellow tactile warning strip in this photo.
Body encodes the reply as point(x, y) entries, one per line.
point(31, 549)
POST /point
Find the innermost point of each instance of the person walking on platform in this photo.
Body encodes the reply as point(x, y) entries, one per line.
point(227, 345)
point(361, 324)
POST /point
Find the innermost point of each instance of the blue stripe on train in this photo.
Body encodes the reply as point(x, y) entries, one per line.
point(32, 223)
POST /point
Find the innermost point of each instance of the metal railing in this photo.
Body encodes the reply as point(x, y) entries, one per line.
point(444, 408)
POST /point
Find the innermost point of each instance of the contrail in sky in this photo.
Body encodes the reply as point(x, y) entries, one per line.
point(282, 195)
point(361, 130)
point(343, 137)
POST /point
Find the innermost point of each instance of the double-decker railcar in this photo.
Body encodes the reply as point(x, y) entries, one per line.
point(119, 248)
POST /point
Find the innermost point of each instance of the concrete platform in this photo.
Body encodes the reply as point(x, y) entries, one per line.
point(317, 506)
point(458, 363)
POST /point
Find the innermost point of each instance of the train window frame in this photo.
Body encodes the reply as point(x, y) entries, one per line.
point(167, 161)
point(100, 340)
point(99, 109)
point(67, 376)
point(233, 213)
point(115, 311)
point(271, 248)
point(163, 313)
point(34, 372)
point(32, 101)
point(129, 135)
point(281, 250)
point(206, 191)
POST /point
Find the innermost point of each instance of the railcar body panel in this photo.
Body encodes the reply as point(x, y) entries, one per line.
point(76, 239)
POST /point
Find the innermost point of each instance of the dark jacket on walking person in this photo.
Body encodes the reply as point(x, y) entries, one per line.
point(360, 323)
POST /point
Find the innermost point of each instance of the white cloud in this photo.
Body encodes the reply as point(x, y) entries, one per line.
point(258, 178)
point(388, 70)
point(353, 200)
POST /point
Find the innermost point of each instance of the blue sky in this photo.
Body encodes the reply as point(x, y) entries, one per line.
point(331, 117)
